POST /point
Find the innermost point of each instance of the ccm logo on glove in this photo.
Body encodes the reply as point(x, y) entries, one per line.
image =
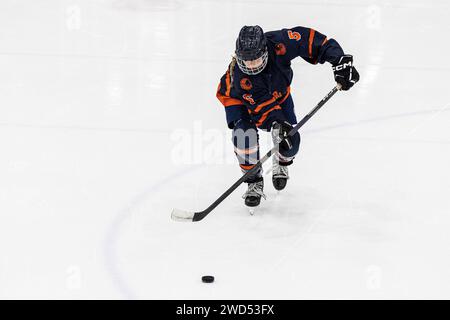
point(345, 73)
point(342, 66)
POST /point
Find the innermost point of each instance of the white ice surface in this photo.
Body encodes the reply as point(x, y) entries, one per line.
point(108, 120)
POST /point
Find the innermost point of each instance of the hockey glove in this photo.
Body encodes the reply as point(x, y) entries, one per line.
point(345, 73)
point(280, 130)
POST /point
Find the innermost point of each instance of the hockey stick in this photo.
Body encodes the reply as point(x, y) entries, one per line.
point(188, 216)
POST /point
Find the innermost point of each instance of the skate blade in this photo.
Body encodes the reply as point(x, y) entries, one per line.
point(252, 210)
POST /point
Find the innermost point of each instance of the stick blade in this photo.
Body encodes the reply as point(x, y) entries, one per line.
point(182, 215)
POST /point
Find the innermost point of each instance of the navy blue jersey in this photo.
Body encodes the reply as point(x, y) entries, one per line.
point(259, 96)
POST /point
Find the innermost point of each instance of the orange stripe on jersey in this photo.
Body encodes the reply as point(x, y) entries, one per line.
point(228, 83)
point(312, 33)
point(246, 167)
point(288, 92)
point(262, 105)
point(324, 41)
point(265, 114)
point(228, 101)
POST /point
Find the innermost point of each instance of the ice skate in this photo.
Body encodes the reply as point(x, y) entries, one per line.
point(280, 174)
point(253, 195)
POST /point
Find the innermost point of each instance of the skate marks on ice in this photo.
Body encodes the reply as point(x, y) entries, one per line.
point(148, 255)
point(432, 114)
point(128, 215)
point(144, 249)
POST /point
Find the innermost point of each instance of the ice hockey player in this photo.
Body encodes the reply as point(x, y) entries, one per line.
point(255, 91)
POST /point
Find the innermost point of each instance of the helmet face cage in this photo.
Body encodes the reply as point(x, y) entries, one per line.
point(253, 71)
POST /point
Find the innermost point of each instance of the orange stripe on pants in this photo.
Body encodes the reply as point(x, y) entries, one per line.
point(246, 167)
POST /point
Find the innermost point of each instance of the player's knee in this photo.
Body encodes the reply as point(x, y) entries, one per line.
point(295, 146)
point(245, 136)
point(245, 141)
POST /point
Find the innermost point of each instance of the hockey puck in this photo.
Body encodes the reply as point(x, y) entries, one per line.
point(207, 279)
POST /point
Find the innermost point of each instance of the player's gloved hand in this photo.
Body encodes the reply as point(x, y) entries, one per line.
point(345, 73)
point(280, 130)
point(235, 122)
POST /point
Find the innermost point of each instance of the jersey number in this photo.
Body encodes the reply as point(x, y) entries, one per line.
point(294, 35)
